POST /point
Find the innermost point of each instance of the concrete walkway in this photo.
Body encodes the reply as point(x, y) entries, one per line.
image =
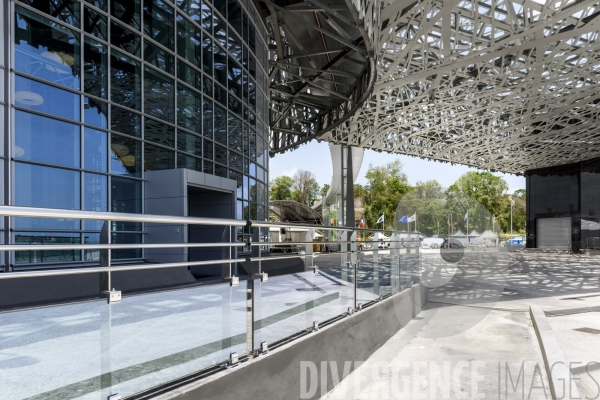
point(475, 338)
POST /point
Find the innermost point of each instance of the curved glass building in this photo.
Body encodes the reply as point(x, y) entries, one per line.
point(101, 94)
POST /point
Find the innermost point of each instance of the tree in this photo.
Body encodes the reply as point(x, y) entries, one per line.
point(386, 186)
point(427, 200)
point(281, 188)
point(483, 188)
point(305, 188)
point(324, 189)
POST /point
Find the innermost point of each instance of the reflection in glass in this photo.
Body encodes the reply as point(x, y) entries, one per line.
point(220, 95)
point(157, 158)
point(46, 140)
point(63, 10)
point(220, 171)
point(235, 105)
point(95, 68)
point(220, 65)
point(234, 15)
point(220, 116)
point(95, 112)
point(158, 57)
point(189, 143)
point(207, 55)
point(95, 152)
point(252, 145)
point(126, 80)
point(47, 99)
point(101, 4)
point(207, 85)
point(236, 161)
point(159, 95)
point(46, 50)
point(234, 45)
point(220, 154)
point(191, 8)
point(126, 197)
point(185, 161)
point(46, 187)
point(126, 238)
point(126, 11)
point(207, 118)
point(207, 17)
point(189, 75)
point(94, 23)
point(234, 127)
point(125, 156)
point(159, 22)
point(189, 109)
point(158, 132)
point(46, 238)
point(125, 39)
point(208, 149)
point(95, 192)
point(125, 121)
point(208, 167)
point(189, 41)
point(234, 78)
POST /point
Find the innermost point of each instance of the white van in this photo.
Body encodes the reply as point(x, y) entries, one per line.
point(431, 243)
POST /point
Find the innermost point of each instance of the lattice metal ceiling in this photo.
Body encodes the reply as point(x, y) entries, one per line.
point(502, 85)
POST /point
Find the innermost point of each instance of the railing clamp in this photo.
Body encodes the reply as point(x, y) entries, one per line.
point(314, 268)
point(113, 297)
point(264, 347)
point(350, 310)
point(315, 326)
point(234, 359)
point(233, 280)
point(115, 396)
point(264, 277)
point(359, 307)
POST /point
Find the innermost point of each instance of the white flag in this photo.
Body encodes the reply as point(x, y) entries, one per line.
point(381, 219)
point(412, 218)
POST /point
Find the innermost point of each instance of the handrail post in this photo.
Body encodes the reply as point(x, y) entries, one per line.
point(106, 315)
point(308, 250)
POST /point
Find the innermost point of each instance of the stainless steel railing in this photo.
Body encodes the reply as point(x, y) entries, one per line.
point(360, 278)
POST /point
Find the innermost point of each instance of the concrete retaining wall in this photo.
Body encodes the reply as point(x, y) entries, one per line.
point(277, 375)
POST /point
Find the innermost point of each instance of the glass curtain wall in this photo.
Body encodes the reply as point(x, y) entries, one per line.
point(105, 90)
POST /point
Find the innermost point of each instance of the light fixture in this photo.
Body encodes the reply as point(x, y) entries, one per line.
point(18, 151)
point(28, 98)
point(506, 67)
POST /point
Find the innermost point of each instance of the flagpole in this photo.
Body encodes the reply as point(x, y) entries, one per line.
point(450, 223)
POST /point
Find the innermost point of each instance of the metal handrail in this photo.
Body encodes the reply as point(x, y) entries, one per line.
point(33, 212)
point(34, 247)
point(92, 270)
point(265, 224)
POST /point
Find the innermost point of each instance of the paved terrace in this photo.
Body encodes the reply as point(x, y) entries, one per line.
point(476, 331)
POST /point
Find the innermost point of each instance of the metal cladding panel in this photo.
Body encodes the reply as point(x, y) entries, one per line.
point(553, 233)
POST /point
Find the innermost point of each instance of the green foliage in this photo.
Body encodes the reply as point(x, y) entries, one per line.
point(427, 200)
point(305, 189)
point(281, 188)
point(324, 189)
point(386, 186)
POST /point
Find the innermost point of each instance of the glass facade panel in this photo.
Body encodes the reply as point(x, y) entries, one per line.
point(139, 95)
point(46, 50)
point(158, 132)
point(95, 68)
point(95, 23)
point(189, 109)
point(126, 80)
point(159, 57)
point(125, 156)
point(126, 11)
point(125, 39)
point(189, 143)
point(95, 192)
point(159, 95)
point(158, 158)
point(95, 150)
point(46, 140)
point(46, 187)
point(125, 121)
point(95, 112)
point(159, 22)
point(47, 99)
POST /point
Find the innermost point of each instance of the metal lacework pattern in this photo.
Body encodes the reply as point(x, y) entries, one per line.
point(502, 85)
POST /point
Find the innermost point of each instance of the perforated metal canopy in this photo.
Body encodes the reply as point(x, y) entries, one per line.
point(496, 84)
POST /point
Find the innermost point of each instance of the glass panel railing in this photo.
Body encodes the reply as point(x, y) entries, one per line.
point(52, 352)
point(159, 337)
point(288, 304)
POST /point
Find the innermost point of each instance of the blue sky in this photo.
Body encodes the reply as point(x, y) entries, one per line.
point(315, 157)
